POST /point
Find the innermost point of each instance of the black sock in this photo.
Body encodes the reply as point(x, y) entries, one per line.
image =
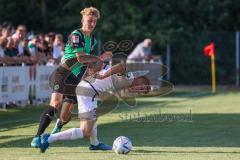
point(60, 123)
point(45, 119)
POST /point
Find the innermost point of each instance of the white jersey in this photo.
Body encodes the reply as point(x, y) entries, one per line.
point(85, 97)
point(140, 52)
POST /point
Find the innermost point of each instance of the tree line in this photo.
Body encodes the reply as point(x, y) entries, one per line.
point(187, 25)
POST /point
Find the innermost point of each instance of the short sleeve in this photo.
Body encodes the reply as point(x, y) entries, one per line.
point(76, 42)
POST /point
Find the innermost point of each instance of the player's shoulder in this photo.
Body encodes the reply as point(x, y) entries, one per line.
point(76, 36)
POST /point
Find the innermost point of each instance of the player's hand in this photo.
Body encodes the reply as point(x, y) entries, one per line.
point(106, 56)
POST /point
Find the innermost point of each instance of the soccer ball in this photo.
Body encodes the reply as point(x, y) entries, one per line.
point(122, 145)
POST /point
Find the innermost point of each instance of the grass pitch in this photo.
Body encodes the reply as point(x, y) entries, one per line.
point(187, 124)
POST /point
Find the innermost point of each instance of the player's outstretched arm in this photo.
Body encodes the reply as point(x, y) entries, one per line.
point(84, 58)
point(106, 56)
point(119, 68)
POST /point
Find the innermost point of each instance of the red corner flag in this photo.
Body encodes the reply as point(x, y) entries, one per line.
point(209, 50)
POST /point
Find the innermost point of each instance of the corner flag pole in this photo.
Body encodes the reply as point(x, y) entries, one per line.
point(209, 50)
point(213, 73)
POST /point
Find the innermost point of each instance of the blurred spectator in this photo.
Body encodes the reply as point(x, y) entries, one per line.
point(51, 62)
point(26, 51)
point(58, 48)
point(32, 45)
point(42, 45)
point(8, 51)
point(27, 58)
point(49, 39)
point(142, 51)
point(6, 31)
point(11, 50)
point(18, 49)
point(18, 38)
point(3, 44)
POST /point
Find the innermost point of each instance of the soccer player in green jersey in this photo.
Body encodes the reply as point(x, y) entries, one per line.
point(78, 52)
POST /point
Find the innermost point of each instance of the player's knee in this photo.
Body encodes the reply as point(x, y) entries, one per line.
point(56, 102)
point(56, 99)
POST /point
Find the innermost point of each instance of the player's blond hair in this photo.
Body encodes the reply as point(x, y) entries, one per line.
point(90, 11)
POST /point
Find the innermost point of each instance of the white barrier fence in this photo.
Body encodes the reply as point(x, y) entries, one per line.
point(23, 83)
point(42, 81)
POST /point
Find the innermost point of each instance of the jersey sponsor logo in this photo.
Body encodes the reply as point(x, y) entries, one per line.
point(75, 39)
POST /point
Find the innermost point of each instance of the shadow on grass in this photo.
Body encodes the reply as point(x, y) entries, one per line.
point(24, 142)
point(206, 130)
point(27, 116)
point(21, 124)
point(19, 117)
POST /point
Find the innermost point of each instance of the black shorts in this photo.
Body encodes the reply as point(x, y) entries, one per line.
point(65, 82)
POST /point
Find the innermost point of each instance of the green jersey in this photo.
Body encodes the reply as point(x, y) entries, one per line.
point(78, 42)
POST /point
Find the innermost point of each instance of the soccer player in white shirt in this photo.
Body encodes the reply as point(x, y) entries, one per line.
point(112, 79)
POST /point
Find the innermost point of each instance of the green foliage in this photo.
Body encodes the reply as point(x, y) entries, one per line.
point(165, 21)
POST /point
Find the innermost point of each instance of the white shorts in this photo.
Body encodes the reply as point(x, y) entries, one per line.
point(87, 108)
point(87, 105)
